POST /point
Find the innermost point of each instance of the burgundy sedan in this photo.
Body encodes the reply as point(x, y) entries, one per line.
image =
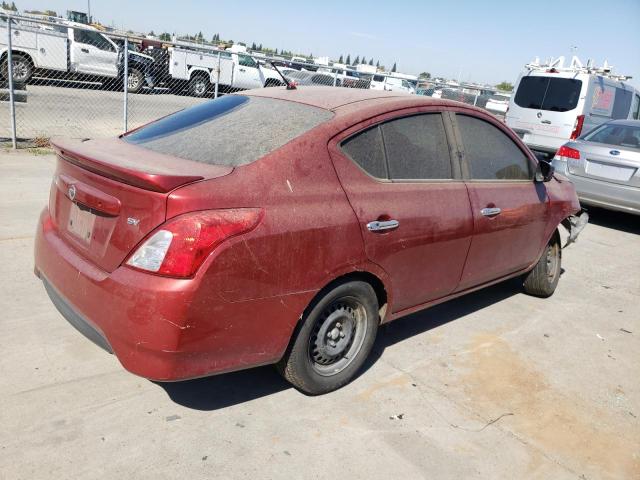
point(283, 226)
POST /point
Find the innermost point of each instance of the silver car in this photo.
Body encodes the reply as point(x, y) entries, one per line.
point(604, 166)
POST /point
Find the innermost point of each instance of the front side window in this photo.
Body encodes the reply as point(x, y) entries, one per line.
point(490, 153)
point(553, 94)
point(621, 104)
point(247, 61)
point(88, 37)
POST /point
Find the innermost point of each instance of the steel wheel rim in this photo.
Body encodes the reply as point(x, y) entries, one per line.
point(552, 263)
point(338, 336)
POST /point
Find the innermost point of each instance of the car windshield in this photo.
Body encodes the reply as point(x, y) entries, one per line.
point(619, 135)
point(548, 93)
point(232, 130)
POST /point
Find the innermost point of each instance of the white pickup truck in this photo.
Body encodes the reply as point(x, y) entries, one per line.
point(61, 49)
point(197, 70)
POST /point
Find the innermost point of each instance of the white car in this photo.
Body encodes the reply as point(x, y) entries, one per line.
point(391, 84)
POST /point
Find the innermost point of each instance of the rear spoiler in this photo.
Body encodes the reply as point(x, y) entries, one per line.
point(124, 163)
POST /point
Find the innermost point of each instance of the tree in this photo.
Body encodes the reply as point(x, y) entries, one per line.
point(356, 61)
point(341, 59)
point(371, 62)
point(505, 86)
point(151, 34)
point(364, 60)
point(13, 7)
point(348, 62)
point(425, 75)
point(199, 37)
point(378, 64)
point(393, 70)
point(260, 47)
point(165, 37)
point(276, 51)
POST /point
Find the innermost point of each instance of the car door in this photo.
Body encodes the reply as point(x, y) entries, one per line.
point(247, 74)
point(406, 191)
point(94, 54)
point(510, 209)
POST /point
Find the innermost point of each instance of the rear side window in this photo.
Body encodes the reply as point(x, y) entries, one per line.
point(548, 93)
point(490, 153)
point(232, 130)
point(618, 135)
point(417, 147)
point(367, 150)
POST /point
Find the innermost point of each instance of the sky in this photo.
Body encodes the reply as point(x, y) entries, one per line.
point(482, 41)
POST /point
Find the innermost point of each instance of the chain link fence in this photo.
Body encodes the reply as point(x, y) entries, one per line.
point(60, 78)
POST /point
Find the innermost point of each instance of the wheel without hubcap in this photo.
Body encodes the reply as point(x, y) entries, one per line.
point(543, 279)
point(333, 340)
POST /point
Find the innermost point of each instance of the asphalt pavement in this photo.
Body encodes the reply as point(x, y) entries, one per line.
point(494, 385)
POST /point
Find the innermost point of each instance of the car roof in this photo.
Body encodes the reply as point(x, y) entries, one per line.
point(626, 123)
point(331, 98)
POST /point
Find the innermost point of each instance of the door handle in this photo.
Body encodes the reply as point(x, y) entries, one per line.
point(546, 122)
point(379, 226)
point(84, 50)
point(490, 212)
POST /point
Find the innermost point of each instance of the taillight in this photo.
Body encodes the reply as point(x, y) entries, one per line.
point(568, 152)
point(577, 127)
point(178, 247)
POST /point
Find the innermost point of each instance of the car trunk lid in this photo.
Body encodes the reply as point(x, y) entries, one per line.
point(107, 195)
point(609, 163)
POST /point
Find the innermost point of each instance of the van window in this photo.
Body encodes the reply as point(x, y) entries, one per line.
point(232, 130)
point(622, 104)
point(367, 150)
point(378, 78)
point(548, 93)
point(635, 109)
point(417, 148)
point(490, 153)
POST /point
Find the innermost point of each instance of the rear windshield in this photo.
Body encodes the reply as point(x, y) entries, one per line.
point(548, 93)
point(232, 130)
point(618, 135)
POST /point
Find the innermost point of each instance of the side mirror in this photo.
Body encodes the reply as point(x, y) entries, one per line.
point(544, 171)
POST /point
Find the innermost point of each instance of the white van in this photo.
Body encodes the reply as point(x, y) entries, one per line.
point(552, 104)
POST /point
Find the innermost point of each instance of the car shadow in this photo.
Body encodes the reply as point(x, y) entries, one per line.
point(624, 222)
point(221, 391)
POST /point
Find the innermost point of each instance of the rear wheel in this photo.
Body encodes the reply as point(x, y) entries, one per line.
point(198, 85)
point(543, 279)
point(333, 340)
point(22, 68)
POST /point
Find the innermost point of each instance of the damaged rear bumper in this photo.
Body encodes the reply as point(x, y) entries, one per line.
point(574, 225)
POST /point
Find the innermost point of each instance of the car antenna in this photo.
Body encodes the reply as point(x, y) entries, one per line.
point(290, 85)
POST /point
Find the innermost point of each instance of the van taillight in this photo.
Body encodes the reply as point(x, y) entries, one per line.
point(577, 127)
point(178, 247)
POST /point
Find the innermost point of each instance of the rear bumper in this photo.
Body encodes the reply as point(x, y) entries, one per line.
point(161, 328)
point(601, 193)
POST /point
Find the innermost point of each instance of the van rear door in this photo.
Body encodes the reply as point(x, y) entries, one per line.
point(544, 108)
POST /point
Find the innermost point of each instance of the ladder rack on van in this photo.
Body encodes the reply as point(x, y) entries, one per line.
point(554, 65)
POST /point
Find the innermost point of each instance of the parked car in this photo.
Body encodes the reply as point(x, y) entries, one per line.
point(552, 103)
point(276, 226)
point(391, 84)
point(604, 166)
point(72, 51)
point(311, 78)
point(498, 103)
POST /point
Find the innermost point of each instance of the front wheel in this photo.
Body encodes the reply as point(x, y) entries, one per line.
point(135, 80)
point(333, 340)
point(543, 279)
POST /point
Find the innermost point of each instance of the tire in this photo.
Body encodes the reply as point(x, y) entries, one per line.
point(543, 279)
point(135, 80)
point(198, 86)
point(22, 68)
point(333, 339)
